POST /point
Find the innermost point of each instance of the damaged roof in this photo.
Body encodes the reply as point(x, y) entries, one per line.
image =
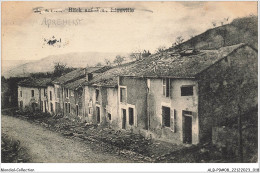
point(33, 82)
point(109, 77)
point(102, 69)
point(176, 66)
point(75, 74)
point(92, 69)
point(166, 64)
point(75, 84)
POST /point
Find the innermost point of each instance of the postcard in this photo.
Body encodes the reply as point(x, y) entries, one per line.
point(129, 82)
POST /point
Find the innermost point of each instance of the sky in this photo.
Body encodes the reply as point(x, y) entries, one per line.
point(151, 25)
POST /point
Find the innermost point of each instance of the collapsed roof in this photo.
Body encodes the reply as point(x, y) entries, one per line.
point(165, 64)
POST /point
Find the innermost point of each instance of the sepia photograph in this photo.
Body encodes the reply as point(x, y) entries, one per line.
point(129, 82)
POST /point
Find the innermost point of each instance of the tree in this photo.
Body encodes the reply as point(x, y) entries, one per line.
point(179, 40)
point(119, 59)
point(60, 69)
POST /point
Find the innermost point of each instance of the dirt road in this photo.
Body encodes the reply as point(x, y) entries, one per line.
point(50, 147)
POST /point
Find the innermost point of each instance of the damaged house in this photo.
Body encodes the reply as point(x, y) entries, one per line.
point(32, 93)
point(73, 96)
point(59, 95)
point(101, 98)
point(180, 98)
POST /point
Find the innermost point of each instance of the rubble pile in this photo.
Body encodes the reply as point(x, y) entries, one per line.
point(122, 142)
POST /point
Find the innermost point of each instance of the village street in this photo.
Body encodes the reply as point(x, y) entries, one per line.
point(50, 147)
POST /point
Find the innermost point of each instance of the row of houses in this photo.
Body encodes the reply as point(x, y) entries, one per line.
point(170, 96)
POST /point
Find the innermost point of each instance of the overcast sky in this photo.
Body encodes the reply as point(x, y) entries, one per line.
point(153, 24)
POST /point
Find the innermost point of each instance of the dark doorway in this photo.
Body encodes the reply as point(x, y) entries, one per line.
point(51, 107)
point(98, 114)
point(21, 104)
point(187, 129)
point(131, 116)
point(77, 110)
point(34, 106)
point(124, 119)
point(45, 106)
point(166, 116)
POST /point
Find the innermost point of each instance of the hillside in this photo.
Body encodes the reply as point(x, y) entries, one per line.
point(71, 60)
point(240, 30)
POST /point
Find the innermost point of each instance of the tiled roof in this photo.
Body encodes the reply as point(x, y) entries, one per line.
point(33, 82)
point(78, 73)
point(92, 69)
point(166, 64)
point(80, 79)
point(102, 69)
point(75, 84)
point(177, 66)
point(109, 77)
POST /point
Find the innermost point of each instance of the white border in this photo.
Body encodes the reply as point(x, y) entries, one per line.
point(118, 167)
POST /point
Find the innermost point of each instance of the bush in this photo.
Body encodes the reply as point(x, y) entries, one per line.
point(12, 152)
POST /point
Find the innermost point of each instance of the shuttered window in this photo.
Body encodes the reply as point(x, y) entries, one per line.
point(123, 95)
point(166, 87)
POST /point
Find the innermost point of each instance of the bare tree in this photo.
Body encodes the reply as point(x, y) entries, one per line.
point(177, 45)
point(119, 59)
point(178, 41)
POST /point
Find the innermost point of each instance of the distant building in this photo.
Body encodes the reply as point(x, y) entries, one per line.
point(60, 102)
point(74, 99)
point(32, 93)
